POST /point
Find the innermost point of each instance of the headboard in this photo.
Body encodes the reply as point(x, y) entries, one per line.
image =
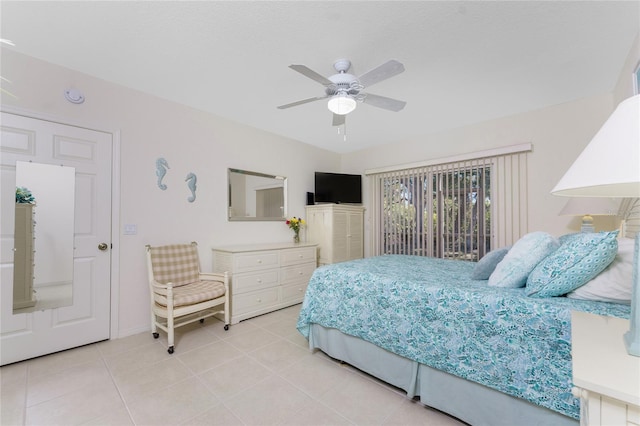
point(630, 214)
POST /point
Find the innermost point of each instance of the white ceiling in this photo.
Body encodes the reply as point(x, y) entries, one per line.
point(466, 62)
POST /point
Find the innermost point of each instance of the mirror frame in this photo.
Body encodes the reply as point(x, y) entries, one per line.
point(277, 180)
point(47, 261)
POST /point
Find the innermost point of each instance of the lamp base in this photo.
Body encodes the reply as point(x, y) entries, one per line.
point(632, 343)
point(587, 224)
point(632, 337)
point(587, 228)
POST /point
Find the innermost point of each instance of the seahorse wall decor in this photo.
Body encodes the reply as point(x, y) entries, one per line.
point(191, 184)
point(161, 170)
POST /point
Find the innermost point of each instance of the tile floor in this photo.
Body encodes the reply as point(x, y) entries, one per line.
point(260, 372)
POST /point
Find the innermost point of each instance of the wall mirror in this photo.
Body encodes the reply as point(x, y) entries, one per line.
point(43, 237)
point(256, 196)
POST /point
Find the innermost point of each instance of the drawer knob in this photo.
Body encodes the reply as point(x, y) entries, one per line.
point(259, 300)
point(259, 261)
point(300, 256)
point(259, 280)
point(299, 272)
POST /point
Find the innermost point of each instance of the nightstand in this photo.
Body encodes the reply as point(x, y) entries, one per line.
point(606, 378)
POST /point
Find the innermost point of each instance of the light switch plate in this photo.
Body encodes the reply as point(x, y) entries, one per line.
point(130, 229)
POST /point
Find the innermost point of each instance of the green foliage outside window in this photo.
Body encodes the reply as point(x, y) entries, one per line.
point(453, 209)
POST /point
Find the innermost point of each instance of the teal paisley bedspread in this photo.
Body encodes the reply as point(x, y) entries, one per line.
point(431, 311)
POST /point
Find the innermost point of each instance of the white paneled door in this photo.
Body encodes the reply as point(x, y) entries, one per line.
point(87, 319)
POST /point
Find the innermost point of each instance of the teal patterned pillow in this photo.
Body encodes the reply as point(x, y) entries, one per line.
point(566, 238)
point(526, 253)
point(574, 264)
point(485, 266)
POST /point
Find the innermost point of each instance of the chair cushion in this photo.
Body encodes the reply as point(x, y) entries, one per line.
point(176, 263)
point(190, 294)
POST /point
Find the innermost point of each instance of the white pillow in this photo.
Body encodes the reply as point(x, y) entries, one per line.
point(614, 283)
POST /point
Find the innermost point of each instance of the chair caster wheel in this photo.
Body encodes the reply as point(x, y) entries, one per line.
point(170, 350)
point(156, 335)
point(226, 327)
point(201, 320)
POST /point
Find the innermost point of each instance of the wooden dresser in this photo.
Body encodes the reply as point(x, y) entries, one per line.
point(265, 277)
point(606, 377)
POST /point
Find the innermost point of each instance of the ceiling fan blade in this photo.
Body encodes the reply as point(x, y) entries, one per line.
point(383, 102)
point(339, 120)
point(384, 71)
point(304, 101)
point(307, 72)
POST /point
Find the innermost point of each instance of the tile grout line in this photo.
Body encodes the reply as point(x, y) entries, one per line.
point(115, 384)
point(24, 396)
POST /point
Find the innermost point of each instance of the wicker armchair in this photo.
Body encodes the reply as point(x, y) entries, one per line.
point(180, 293)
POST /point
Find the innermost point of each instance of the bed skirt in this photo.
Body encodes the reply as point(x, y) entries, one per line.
point(468, 401)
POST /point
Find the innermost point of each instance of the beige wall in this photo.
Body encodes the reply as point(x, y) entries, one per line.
point(191, 141)
point(558, 134)
point(624, 86)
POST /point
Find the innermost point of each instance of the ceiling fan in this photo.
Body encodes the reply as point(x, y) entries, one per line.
point(344, 89)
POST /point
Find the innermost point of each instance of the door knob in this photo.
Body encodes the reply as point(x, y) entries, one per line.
point(103, 246)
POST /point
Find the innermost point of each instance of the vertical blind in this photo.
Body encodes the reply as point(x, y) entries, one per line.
point(452, 208)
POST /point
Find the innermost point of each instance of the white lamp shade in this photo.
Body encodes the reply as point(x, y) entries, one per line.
point(341, 104)
point(610, 165)
point(592, 206)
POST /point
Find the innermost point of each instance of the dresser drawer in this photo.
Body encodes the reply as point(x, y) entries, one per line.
point(256, 261)
point(296, 256)
point(297, 273)
point(242, 283)
point(294, 292)
point(254, 301)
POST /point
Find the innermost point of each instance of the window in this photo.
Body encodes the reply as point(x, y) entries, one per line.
point(452, 209)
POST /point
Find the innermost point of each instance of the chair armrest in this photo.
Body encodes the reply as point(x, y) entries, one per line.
point(217, 276)
point(160, 288)
point(211, 276)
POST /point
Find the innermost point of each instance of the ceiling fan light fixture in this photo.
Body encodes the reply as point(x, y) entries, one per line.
point(341, 104)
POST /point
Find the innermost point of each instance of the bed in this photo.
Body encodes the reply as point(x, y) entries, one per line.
point(486, 355)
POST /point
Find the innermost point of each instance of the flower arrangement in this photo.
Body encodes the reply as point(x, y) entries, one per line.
point(296, 223)
point(24, 196)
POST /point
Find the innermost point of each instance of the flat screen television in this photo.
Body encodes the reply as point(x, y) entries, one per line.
point(338, 188)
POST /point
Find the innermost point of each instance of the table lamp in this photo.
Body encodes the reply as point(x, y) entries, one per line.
point(589, 207)
point(610, 167)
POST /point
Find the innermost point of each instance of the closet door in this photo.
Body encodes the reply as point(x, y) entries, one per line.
point(87, 154)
